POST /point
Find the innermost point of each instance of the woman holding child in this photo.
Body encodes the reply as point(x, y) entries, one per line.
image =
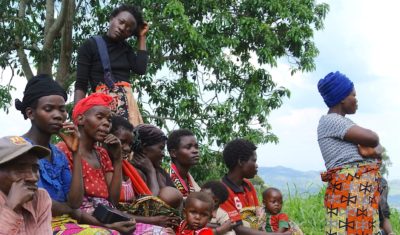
point(148, 147)
point(242, 204)
point(352, 159)
point(135, 191)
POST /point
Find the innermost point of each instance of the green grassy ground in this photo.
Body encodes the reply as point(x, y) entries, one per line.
point(308, 212)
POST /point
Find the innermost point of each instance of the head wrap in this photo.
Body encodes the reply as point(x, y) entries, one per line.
point(95, 99)
point(334, 87)
point(37, 87)
point(147, 135)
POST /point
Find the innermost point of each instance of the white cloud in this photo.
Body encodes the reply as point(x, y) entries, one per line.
point(13, 123)
point(360, 40)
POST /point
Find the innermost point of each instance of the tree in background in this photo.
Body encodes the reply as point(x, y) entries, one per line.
point(209, 59)
point(386, 163)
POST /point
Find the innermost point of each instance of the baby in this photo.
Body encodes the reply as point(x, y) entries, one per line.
point(198, 212)
point(172, 197)
point(273, 220)
point(220, 221)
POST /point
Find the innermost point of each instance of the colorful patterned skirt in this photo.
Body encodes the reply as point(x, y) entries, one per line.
point(64, 225)
point(250, 217)
point(125, 104)
point(149, 206)
point(351, 199)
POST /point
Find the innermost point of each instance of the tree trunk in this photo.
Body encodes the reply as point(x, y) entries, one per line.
point(52, 30)
point(63, 75)
point(22, 57)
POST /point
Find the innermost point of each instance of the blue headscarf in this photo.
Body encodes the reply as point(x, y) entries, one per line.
point(334, 87)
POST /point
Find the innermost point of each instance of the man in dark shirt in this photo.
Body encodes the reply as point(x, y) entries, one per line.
point(125, 21)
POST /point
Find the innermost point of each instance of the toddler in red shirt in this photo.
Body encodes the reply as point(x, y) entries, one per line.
point(198, 212)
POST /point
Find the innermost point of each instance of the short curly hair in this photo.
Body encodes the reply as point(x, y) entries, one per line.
point(202, 196)
point(238, 149)
point(218, 189)
point(134, 10)
point(118, 122)
point(268, 190)
point(174, 138)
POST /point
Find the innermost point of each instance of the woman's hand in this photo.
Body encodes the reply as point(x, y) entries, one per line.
point(370, 152)
point(124, 227)
point(70, 135)
point(113, 145)
point(225, 227)
point(142, 31)
point(169, 231)
point(166, 221)
point(143, 163)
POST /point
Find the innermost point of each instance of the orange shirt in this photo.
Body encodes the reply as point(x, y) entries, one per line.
point(239, 197)
point(34, 218)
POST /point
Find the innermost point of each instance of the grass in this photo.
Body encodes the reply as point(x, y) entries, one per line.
point(309, 213)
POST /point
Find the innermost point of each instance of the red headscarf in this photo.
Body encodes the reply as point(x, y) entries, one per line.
point(95, 99)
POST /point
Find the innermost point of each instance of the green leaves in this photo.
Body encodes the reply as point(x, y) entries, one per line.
point(208, 59)
point(5, 97)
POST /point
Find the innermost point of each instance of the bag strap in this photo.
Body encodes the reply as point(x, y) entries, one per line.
point(105, 61)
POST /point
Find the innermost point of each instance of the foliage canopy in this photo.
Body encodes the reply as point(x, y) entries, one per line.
point(209, 59)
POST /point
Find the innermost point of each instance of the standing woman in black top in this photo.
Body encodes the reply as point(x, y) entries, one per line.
point(125, 21)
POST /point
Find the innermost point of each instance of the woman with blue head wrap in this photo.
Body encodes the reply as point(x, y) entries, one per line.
point(352, 158)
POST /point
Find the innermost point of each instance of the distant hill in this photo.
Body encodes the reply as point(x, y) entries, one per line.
point(291, 181)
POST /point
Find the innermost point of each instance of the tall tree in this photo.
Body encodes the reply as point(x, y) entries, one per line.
point(209, 59)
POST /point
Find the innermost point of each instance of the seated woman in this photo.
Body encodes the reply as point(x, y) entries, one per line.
point(242, 205)
point(132, 184)
point(44, 104)
point(163, 209)
point(101, 176)
point(148, 147)
point(184, 151)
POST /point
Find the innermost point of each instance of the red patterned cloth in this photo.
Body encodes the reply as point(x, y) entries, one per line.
point(272, 223)
point(183, 230)
point(180, 184)
point(351, 199)
point(94, 181)
point(95, 99)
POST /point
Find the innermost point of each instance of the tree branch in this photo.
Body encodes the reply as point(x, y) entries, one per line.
point(64, 64)
point(53, 29)
point(160, 118)
point(164, 58)
point(22, 57)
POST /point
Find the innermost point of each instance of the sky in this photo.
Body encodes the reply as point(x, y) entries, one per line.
point(360, 39)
